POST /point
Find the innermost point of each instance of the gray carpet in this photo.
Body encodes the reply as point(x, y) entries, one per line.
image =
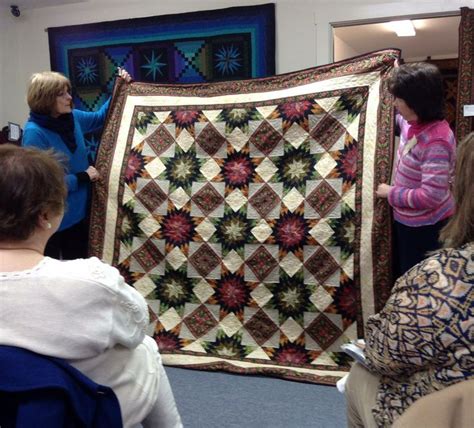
point(215, 399)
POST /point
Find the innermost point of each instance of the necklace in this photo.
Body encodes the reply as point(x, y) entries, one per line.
point(21, 248)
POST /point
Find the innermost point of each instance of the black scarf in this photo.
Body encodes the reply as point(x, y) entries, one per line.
point(62, 125)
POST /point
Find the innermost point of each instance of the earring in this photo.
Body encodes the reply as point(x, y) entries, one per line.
point(48, 225)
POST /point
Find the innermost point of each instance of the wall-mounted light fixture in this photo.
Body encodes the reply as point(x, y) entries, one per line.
point(402, 28)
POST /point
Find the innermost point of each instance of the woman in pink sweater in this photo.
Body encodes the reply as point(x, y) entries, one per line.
point(421, 195)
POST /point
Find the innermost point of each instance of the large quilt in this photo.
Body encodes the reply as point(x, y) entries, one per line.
point(245, 213)
point(449, 71)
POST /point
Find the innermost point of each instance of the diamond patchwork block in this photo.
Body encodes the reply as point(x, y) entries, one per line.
point(248, 211)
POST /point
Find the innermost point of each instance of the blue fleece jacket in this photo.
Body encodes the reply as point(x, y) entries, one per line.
point(40, 391)
point(78, 192)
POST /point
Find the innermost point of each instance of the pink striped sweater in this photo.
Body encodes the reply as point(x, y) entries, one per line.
point(421, 192)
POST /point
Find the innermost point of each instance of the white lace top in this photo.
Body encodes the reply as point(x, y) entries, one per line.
point(84, 312)
point(70, 309)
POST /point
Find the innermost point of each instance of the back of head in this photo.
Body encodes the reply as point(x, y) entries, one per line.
point(43, 89)
point(420, 85)
point(31, 183)
point(460, 229)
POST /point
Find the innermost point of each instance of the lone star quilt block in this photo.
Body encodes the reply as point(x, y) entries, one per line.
point(245, 213)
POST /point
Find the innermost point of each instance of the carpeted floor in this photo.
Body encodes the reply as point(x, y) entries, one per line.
point(216, 399)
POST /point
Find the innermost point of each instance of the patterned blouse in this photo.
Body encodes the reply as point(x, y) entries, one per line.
point(423, 339)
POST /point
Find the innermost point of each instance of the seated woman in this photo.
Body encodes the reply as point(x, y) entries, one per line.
point(422, 341)
point(80, 310)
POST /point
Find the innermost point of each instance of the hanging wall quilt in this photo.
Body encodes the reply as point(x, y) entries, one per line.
point(449, 71)
point(245, 213)
point(207, 46)
point(465, 90)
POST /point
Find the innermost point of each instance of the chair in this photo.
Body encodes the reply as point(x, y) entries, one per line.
point(452, 407)
point(45, 392)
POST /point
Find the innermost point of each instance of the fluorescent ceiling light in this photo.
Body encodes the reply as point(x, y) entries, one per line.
point(403, 28)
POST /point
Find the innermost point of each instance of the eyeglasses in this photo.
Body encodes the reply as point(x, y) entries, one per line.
point(63, 94)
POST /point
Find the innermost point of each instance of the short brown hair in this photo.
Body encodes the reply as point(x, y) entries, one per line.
point(43, 89)
point(420, 85)
point(460, 228)
point(32, 182)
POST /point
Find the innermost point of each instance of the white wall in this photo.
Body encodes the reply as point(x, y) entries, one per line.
point(30, 44)
point(342, 49)
point(303, 32)
point(333, 11)
point(4, 32)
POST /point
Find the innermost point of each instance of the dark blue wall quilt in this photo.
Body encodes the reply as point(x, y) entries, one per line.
point(206, 46)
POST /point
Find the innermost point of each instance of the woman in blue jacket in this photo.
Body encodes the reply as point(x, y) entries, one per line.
point(55, 124)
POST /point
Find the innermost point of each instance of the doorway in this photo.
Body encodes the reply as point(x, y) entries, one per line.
point(436, 40)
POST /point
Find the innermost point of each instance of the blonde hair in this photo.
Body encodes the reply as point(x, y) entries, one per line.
point(43, 89)
point(460, 228)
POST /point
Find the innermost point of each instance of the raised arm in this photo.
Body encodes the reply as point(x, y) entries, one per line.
point(91, 121)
